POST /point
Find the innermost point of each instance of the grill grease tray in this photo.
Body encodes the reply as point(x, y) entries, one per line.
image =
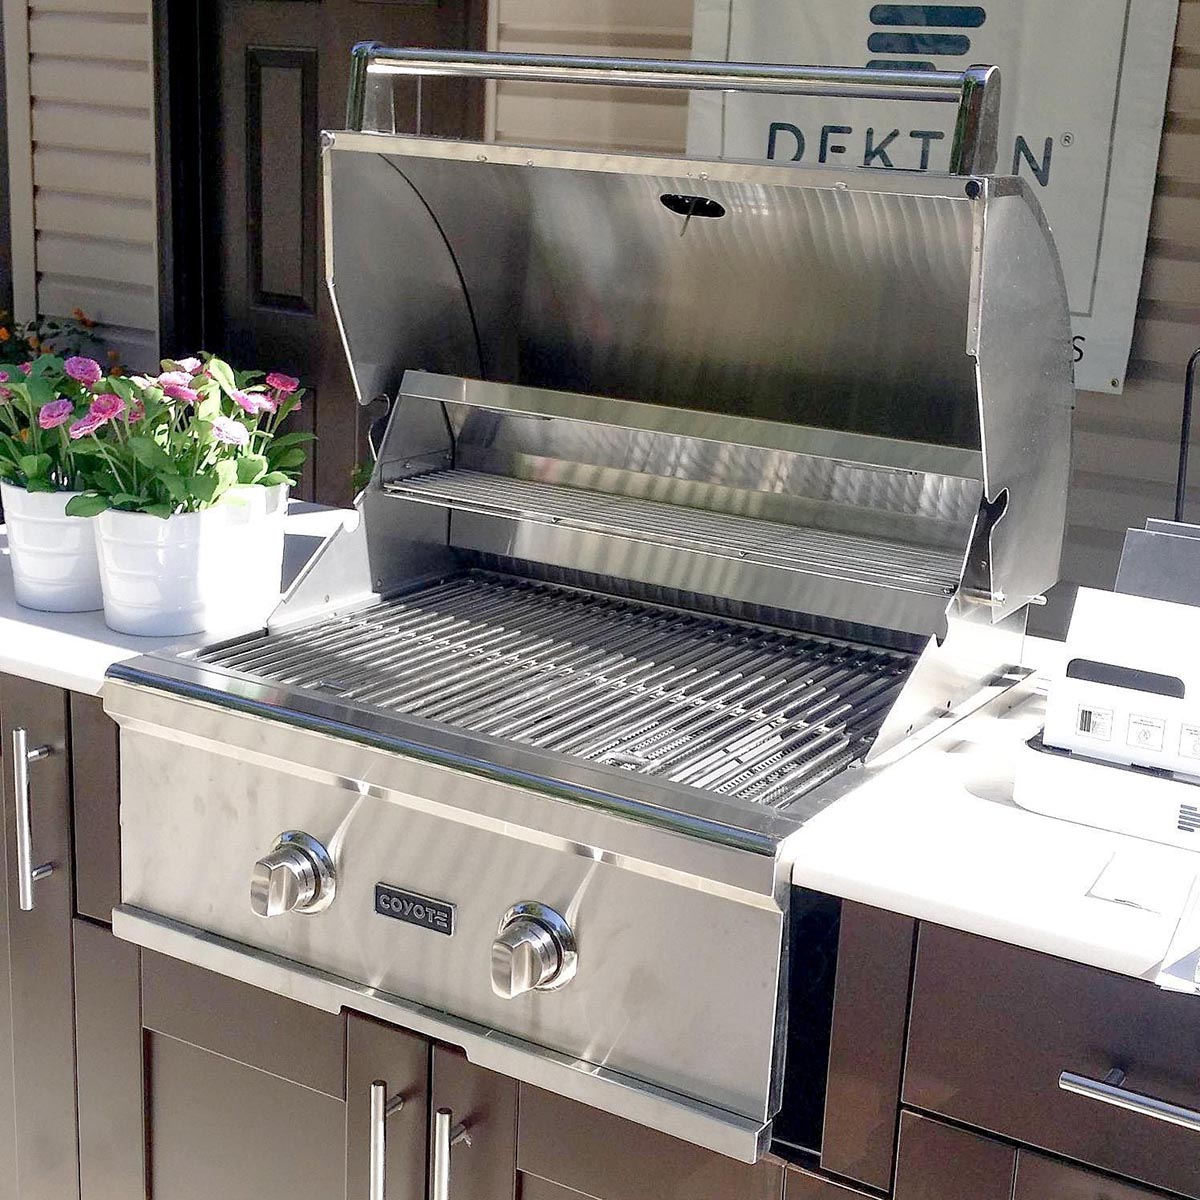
point(750, 713)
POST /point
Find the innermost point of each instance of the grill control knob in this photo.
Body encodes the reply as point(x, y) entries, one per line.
point(534, 951)
point(297, 876)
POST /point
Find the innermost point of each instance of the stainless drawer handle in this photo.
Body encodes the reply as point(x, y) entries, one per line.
point(1111, 1090)
point(27, 873)
point(381, 1109)
point(446, 1135)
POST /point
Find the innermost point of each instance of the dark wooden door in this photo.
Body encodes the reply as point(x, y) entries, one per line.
point(284, 71)
point(37, 1039)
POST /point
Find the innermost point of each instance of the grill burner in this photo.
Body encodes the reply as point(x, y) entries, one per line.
point(750, 713)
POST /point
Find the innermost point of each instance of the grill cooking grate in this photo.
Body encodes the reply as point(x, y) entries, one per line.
point(754, 714)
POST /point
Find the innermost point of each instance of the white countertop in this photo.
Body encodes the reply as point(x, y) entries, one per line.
point(938, 836)
point(73, 650)
point(935, 836)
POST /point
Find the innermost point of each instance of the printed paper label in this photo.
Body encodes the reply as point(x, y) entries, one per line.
point(1189, 742)
point(1147, 733)
point(1095, 723)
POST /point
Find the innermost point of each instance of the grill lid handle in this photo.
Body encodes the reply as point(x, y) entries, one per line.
point(976, 90)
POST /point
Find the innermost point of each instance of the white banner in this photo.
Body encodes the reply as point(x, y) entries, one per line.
point(1083, 93)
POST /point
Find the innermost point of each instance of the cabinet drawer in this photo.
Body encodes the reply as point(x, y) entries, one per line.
point(993, 1027)
point(1041, 1178)
point(937, 1162)
point(608, 1158)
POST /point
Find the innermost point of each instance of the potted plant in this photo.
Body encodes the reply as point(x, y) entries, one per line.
point(189, 490)
point(42, 469)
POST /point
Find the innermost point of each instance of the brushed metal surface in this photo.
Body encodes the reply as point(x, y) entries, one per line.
point(754, 715)
point(652, 998)
point(674, 1115)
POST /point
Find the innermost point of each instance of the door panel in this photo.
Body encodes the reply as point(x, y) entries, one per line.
point(108, 1038)
point(272, 1033)
point(220, 1128)
point(1041, 1178)
point(380, 1053)
point(284, 72)
point(937, 1162)
point(40, 949)
point(96, 792)
point(486, 1104)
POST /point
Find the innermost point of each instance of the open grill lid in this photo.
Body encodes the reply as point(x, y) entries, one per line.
point(914, 307)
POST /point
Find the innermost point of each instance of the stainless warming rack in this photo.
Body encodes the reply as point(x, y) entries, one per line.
point(756, 715)
point(728, 535)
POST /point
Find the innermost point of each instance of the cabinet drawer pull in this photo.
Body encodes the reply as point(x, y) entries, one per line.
point(381, 1109)
point(27, 873)
point(446, 1135)
point(1111, 1090)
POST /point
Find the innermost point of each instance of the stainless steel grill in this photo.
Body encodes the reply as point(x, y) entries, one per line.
point(822, 552)
point(672, 522)
point(760, 715)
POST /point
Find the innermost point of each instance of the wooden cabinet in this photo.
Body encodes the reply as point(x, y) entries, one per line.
point(607, 1158)
point(938, 1162)
point(39, 1151)
point(994, 1027)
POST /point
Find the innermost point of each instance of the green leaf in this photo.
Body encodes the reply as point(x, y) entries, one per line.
point(177, 487)
point(273, 478)
point(150, 454)
point(203, 486)
point(35, 466)
point(294, 457)
point(226, 472)
point(163, 511)
point(41, 390)
point(123, 388)
point(222, 373)
point(87, 505)
point(299, 438)
point(40, 485)
point(127, 500)
point(251, 468)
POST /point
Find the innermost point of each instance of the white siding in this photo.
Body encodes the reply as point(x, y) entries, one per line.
point(593, 117)
point(1126, 446)
point(87, 93)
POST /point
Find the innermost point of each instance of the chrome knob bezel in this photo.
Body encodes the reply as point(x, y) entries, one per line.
point(560, 933)
point(317, 858)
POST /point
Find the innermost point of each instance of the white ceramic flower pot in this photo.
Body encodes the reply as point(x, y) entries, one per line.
point(53, 556)
point(214, 571)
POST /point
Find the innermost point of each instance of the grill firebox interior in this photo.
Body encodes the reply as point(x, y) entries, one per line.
point(751, 713)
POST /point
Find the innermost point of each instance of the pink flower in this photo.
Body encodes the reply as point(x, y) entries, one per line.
point(84, 370)
point(86, 426)
point(190, 365)
point(253, 403)
point(5, 393)
point(56, 413)
point(174, 379)
point(231, 432)
point(178, 391)
point(285, 385)
point(143, 381)
point(106, 407)
point(135, 412)
point(27, 368)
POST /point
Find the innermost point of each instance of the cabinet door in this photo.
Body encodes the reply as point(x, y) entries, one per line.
point(244, 1090)
point(483, 1166)
point(589, 1151)
point(108, 1046)
point(378, 1054)
point(40, 1027)
point(937, 1162)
